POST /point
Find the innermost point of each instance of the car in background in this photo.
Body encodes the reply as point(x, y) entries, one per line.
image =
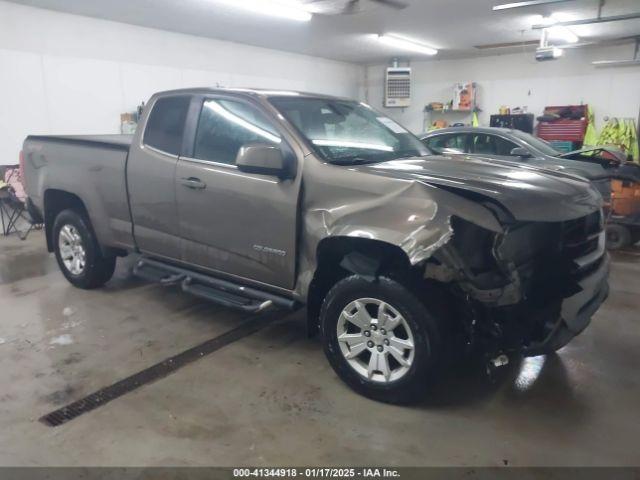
point(606, 168)
point(521, 147)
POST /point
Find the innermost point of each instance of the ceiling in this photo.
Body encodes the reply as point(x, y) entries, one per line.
point(452, 26)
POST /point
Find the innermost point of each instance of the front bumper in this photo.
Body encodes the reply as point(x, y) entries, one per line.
point(577, 310)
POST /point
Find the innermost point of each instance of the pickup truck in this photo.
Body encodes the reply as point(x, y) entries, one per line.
point(261, 199)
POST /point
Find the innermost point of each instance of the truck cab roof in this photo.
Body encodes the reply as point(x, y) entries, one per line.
point(250, 92)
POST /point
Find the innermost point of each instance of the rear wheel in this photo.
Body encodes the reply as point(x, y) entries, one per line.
point(618, 237)
point(78, 253)
point(380, 339)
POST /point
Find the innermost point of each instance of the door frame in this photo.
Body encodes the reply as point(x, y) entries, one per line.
point(294, 144)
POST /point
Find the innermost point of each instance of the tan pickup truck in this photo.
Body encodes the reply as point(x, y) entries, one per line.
point(266, 199)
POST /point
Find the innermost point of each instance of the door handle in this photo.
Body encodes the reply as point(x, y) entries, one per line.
point(193, 183)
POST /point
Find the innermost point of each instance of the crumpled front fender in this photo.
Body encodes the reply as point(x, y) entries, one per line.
point(413, 216)
point(409, 214)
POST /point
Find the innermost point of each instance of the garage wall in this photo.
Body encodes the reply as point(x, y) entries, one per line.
point(65, 74)
point(517, 80)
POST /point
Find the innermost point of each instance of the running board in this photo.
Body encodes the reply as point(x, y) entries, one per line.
point(222, 292)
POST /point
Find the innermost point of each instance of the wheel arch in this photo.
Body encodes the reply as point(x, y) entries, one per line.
point(340, 256)
point(56, 201)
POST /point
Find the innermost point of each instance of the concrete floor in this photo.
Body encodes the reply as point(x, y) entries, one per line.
point(272, 399)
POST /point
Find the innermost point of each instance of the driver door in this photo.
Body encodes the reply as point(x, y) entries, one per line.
point(233, 222)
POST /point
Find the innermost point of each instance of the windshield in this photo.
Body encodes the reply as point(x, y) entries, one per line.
point(537, 143)
point(346, 132)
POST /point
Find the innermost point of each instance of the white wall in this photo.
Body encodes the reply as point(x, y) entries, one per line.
point(68, 74)
point(517, 80)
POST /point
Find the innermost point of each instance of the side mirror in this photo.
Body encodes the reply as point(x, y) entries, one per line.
point(521, 152)
point(263, 159)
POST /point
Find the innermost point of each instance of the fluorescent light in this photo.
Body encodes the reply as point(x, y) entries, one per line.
point(547, 21)
point(406, 44)
point(289, 9)
point(507, 6)
point(540, 21)
point(347, 144)
point(559, 32)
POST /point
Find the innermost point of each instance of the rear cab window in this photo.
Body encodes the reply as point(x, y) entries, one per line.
point(166, 123)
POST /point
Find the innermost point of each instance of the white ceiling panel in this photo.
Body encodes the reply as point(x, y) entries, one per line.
point(452, 26)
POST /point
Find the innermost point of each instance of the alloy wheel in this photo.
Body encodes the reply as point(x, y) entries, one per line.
point(375, 340)
point(72, 249)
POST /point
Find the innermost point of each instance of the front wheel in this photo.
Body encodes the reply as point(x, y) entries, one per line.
point(380, 339)
point(78, 253)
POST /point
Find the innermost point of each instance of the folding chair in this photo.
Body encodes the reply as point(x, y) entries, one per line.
point(12, 210)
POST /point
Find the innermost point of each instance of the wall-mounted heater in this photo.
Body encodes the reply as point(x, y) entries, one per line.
point(397, 87)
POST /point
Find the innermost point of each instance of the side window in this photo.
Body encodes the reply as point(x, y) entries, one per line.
point(503, 146)
point(482, 144)
point(226, 125)
point(453, 143)
point(165, 125)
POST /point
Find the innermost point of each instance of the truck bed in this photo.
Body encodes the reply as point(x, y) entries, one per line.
point(118, 142)
point(92, 168)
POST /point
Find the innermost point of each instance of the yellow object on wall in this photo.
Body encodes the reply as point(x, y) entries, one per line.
point(621, 133)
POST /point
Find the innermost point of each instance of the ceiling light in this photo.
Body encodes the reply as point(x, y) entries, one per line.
point(559, 32)
point(544, 54)
point(546, 21)
point(507, 6)
point(540, 21)
point(406, 44)
point(289, 9)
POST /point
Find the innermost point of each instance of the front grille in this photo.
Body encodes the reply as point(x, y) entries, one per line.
point(580, 237)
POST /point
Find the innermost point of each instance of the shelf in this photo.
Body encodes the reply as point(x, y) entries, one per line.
point(448, 110)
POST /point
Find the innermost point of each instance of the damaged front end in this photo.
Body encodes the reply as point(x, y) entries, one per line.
point(529, 289)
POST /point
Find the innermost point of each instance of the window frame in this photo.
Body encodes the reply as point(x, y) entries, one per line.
point(493, 137)
point(144, 145)
point(472, 139)
point(508, 140)
point(195, 111)
point(307, 144)
point(465, 141)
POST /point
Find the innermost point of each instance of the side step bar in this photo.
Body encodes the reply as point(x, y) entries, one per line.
point(222, 292)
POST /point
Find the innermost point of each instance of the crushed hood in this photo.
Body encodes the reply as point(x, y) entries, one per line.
point(529, 193)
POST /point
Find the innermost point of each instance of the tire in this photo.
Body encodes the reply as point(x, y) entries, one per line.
point(96, 270)
point(618, 237)
point(400, 384)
